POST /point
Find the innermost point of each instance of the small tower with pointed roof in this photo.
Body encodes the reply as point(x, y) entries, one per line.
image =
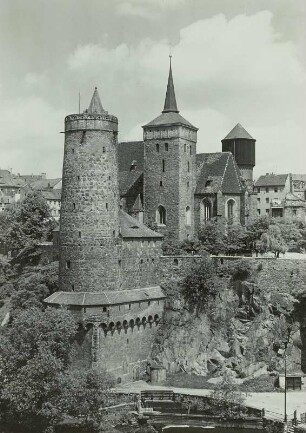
point(89, 223)
point(242, 145)
point(170, 170)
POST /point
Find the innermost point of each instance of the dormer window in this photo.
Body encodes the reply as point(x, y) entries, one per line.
point(133, 165)
point(208, 182)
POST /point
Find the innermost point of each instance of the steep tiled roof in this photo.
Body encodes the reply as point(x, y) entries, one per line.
point(127, 180)
point(53, 194)
point(10, 180)
point(169, 118)
point(95, 106)
point(300, 177)
point(42, 184)
point(170, 100)
point(132, 228)
point(129, 151)
point(238, 132)
point(138, 205)
point(217, 172)
point(272, 180)
point(105, 298)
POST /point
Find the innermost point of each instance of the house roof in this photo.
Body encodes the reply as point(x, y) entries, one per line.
point(105, 298)
point(218, 172)
point(238, 132)
point(53, 194)
point(292, 200)
point(42, 184)
point(299, 177)
point(272, 180)
point(8, 179)
point(132, 228)
point(128, 152)
point(169, 118)
point(127, 180)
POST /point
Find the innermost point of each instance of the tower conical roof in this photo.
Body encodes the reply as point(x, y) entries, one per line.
point(238, 132)
point(170, 100)
point(95, 106)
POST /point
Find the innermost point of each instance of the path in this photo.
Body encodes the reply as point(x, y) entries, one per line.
point(271, 401)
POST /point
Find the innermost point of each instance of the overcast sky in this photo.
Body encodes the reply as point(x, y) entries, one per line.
point(233, 61)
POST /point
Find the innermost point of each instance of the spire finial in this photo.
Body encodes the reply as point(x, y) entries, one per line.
point(170, 100)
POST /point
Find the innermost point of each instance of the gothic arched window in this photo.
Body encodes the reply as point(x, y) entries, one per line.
point(161, 215)
point(188, 216)
point(206, 210)
point(231, 210)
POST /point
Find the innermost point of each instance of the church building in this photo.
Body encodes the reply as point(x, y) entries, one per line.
point(164, 182)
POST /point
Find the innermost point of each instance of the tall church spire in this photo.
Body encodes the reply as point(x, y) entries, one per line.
point(95, 106)
point(170, 101)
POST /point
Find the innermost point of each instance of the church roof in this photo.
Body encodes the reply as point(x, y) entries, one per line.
point(95, 106)
point(105, 298)
point(132, 228)
point(127, 179)
point(169, 118)
point(170, 100)
point(170, 114)
point(128, 152)
point(238, 132)
point(218, 172)
point(272, 180)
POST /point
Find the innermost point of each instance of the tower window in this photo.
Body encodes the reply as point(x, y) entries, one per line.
point(106, 205)
point(188, 184)
point(160, 183)
point(166, 147)
point(163, 165)
point(73, 205)
point(184, 147)
point(157, 147)
point(72, 150)
point(119, 263)
point(190, 150)
point(83, 136)
point(80, 234)
point(160, 215)
point(188, 216)
point(68, 264)
point(104, 309)
point(103, 149)
point(188, 166)
point(114, 233)
point(79, 178)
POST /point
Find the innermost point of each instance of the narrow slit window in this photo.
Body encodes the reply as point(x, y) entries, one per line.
point(163, 165)
point(68, 264)
point(157, 147)
point(103, 149)
point(184, 147)
point(73, 205)
point(166, 147)
point(106, 205)
point(160, 183)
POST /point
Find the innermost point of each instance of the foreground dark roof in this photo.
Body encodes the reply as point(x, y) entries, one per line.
point(129, 152)
point(218, 172)
point(238, 132)
point(132, 228)
point(105, 298)
point(272, 180)
point(127, 180)
point(169, 118)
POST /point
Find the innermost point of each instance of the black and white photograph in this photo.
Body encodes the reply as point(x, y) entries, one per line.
point(153, 216)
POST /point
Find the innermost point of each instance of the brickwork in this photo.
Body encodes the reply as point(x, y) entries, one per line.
point(169, 178)
point(89, 225)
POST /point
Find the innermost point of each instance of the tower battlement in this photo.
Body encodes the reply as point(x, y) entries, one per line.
point(87, 121)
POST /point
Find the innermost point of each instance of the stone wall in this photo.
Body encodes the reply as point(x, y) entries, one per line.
point(119, 339)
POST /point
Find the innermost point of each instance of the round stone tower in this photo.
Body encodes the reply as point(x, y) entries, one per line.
point(89, 223)
point(242, 146)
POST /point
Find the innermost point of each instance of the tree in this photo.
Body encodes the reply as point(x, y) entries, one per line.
point(227, 398)
point(235, 239)
point(200, 285)
point(272, 241)
point(34, 353)
point(30, 222)
point(84, 393)
point(212, 237)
